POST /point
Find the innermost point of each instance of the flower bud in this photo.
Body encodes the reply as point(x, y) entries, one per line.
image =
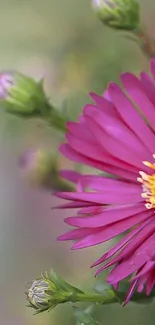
point(49, 291)
point(23, 95)
point(37, 295)
point(36, 165)
point(118, 14)
point(40, 168)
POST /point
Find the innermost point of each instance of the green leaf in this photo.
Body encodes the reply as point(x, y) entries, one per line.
point(83, 318)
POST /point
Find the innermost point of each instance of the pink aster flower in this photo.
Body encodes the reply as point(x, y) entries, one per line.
point(116, 135)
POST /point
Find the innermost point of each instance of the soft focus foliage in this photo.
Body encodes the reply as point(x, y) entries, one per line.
point(64, 42)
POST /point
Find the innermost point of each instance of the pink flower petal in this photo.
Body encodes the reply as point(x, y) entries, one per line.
point(130, 293)
point(140, 287)
point(75, 205)
point(143, 233)
point(101, 183)
point(90, 150)
point(118, 194)
point(67, 151)
point(121, 244)
point(149, 86)
point(150, 283)
point(145, 269)
point(81, 132)
point(85, 148)
point(91, 210)
point(115, 148)
point(105, 233)
point(115, 130)
point(107, 95)
point(141, 236)
point(133, 263)
point(76, 234)
point(70, 153)
point(135, 89)
point(70, 175)
point(152, 67)
point(108, 216)
point(131, 117)
point(104, 105)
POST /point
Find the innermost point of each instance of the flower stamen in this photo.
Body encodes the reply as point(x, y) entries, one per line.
point(148, 185)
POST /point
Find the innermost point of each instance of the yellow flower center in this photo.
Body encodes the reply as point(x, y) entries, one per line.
point(148, 185)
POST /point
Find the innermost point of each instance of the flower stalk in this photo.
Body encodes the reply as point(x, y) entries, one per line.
point(109, 298)
point(124, 15)
point(118, 14)
point(50, 290)
point(145, 42)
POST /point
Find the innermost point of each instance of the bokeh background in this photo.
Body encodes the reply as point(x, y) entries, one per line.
point(64, 42)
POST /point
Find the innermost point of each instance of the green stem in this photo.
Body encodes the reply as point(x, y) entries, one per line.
point(57, 120)
point(54, 117)
point(147, 44)
point(110, 298)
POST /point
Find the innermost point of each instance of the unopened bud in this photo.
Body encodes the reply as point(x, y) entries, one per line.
point(35, 165)
point(41, 169)
point(23, 95)
point(49, 291)
point(118, 14)
point(37, 295)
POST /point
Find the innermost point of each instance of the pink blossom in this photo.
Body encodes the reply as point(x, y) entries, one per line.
point(116, 135)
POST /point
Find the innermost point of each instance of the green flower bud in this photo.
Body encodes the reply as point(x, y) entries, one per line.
point(49, 291)
point(23, 95)
point(118, 14)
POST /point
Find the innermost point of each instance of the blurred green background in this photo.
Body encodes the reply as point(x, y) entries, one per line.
point(63, 41)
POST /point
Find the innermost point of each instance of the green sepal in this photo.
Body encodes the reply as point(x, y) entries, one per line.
point(62, 284)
